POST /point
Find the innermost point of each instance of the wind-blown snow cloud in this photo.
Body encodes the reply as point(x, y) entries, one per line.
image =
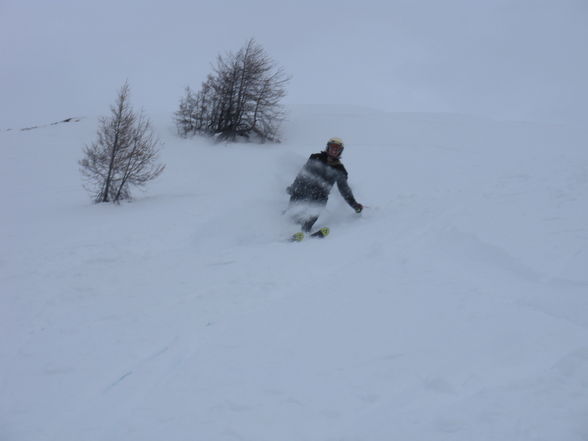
point(508, 59)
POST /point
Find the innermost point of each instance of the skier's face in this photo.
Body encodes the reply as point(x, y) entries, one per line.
point(334, 150)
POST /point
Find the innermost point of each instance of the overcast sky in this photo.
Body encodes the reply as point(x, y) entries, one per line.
point(509, 59)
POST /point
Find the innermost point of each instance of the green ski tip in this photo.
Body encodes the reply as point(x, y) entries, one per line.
point(323, 232)
point(297, 237)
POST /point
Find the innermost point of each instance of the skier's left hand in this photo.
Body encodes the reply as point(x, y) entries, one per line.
point(358, 208)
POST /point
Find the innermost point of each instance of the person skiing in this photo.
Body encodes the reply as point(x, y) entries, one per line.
point(310, 190)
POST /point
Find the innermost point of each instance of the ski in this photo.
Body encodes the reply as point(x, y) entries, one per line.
point(299, 237)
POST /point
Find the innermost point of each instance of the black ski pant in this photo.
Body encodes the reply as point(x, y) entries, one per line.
point(308, 223)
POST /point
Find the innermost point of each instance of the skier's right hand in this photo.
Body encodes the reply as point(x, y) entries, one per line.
point(358, 208)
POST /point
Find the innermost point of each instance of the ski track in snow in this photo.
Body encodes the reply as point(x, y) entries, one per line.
point(453, 308)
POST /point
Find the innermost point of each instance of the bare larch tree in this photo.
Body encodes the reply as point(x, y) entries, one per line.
point(125, 153)
point(240, 99)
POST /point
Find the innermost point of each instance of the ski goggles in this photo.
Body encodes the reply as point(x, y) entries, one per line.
point(335, 149)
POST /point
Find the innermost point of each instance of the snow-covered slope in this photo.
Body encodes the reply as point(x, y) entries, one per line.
point(455, 307)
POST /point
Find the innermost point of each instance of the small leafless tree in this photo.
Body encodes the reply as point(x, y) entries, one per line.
point(241, 99)
point(124, 155)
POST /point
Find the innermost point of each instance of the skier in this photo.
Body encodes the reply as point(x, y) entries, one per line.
point(311, 188)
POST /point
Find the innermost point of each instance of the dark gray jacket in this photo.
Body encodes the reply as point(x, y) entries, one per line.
point(316, 179)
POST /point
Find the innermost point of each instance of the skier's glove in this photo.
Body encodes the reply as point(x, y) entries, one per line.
point(358, 208)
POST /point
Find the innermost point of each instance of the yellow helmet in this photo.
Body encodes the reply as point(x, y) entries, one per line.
point(336, 140)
